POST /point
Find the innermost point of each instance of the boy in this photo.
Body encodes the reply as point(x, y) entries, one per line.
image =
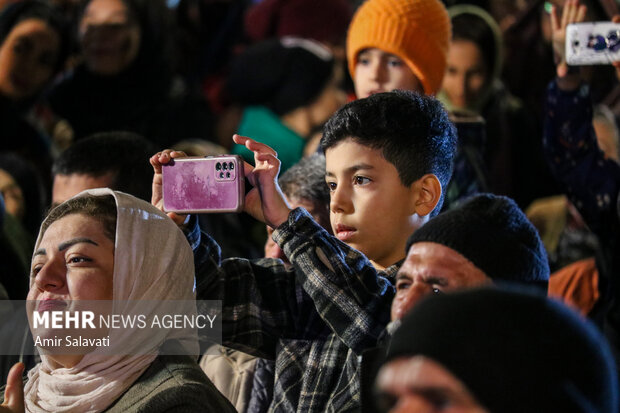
point(388, 159)
point(398, 44)
point(403, 44)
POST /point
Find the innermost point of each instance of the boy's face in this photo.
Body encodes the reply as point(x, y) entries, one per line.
point(377, 71)
point(370, 209)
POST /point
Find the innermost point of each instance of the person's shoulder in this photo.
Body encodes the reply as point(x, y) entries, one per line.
point(172, 383)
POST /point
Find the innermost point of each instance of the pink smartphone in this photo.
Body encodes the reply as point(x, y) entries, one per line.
point(204, 185)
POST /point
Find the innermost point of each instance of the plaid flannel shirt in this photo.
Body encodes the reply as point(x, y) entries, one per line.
point(314, 319)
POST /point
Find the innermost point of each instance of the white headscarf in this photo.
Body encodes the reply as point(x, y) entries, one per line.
point(152, 261)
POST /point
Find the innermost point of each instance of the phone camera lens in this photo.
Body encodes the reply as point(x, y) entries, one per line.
point(227, 174)
point(224, 166)
point(221, 174)
point(218, 166)
point(231, 166)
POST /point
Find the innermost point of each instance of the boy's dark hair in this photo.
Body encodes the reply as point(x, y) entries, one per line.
point(124, 154)
point(412, 131)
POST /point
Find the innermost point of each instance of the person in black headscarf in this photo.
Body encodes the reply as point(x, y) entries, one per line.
point(125, 81)
point(34, 44)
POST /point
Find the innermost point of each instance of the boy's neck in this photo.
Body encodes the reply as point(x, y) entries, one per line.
point(383, 266)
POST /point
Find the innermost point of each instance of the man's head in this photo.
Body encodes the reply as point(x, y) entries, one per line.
point(117, 160)
point(388, 159)
point(398, 44)
point(304, 186)
point(486, 240)
point(488, 350)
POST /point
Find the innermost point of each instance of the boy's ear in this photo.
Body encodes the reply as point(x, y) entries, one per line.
point(427, 191)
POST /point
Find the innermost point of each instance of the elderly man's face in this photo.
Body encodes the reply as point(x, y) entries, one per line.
point(432, 268)
point(420, 385)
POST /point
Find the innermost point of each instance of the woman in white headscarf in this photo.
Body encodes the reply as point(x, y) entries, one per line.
point(106, 245)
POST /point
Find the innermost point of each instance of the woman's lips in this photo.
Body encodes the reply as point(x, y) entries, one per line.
point(51, 305)
point(344, 232)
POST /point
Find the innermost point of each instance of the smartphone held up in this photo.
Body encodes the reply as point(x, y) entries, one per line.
point(595, 43)
point(198, 185)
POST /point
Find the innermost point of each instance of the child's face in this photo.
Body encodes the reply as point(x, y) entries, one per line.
point(27, 59)
point(370, 209)
point(465, 73)
point(377, 71)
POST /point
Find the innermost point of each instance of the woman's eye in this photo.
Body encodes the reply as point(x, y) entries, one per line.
point(361, 180)
point(437, 291)
point(331, 186)
point(35, 270)
point(395, 63)
point(76, 260)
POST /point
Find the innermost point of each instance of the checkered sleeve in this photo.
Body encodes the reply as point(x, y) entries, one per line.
point(258, 297)
point(348, 293)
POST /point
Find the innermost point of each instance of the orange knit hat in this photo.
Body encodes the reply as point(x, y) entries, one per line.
point(417, 31)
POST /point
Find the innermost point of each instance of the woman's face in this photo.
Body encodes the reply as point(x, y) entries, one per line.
point(466, 73)
point(74, 261)
point(109, 36)
point(14, 202)
point(28, 57)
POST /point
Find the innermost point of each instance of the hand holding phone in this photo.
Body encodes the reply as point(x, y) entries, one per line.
point(213, 184)
point(157, 161)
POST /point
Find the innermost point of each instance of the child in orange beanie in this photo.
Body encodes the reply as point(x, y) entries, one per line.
point(398, 44)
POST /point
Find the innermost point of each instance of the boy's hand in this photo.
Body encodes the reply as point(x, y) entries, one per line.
point(14, 391)
point(157, 160)
point(265, 201)
point(573, 12)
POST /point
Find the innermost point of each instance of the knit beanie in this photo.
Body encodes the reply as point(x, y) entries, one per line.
point(281, 74)
point(515, 352)
point(320, 20)
point(494, 234)
point(417, 31)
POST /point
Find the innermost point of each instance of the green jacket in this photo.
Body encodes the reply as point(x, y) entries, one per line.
point(170, 384)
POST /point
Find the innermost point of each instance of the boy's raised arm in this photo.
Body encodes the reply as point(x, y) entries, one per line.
point(258, 298)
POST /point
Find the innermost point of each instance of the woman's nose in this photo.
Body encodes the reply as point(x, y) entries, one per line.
point(51, 277)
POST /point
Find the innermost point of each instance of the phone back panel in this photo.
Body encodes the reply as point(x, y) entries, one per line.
point(203, 185)
point(592, 43)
